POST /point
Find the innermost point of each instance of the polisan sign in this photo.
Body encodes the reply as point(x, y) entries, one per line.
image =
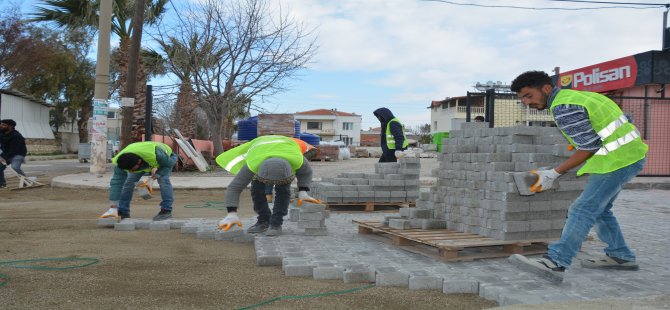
point(606, 76)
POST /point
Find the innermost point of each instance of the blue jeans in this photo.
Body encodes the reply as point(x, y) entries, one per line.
point(280, 207)
point(167, 193)
point(594, 207)
point(15, 163)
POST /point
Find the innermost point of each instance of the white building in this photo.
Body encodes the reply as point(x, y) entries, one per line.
point(331, 125)
point(448, 114)
point(32, 120)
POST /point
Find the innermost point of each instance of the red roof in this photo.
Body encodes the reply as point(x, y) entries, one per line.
point(326, 112)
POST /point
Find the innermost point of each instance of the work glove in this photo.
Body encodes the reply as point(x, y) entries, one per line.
point(112, 212)
point(3, 162)
point(303, 196)
point(229, 221)
point(545, 180)
point(570, 148)
point(153, 173)
point(399, 154)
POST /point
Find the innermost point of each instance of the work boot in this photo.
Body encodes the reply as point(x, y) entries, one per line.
point(258, 228)
point(163, 215)
point(275, 230)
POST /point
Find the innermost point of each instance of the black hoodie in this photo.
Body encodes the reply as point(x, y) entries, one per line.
point(12, 144)
point(384, 115)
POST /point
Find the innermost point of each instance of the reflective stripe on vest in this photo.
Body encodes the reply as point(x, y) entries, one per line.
point(242, 157)
point(621, 141)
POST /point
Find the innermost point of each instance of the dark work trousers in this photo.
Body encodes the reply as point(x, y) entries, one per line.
point(388, 157)
point(280, 206)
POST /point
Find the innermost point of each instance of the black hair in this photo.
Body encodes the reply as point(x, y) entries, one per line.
point(479, 118)
point(9, 122)
point(534, 79)
point(127, 161)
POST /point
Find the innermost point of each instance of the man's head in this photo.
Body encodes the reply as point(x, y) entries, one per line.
point(276, 171)
point(7, 125)
point(383, 114)
point(129, 161)
point(533, 88)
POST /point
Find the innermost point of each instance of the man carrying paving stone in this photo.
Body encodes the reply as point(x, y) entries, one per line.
point(275, 160)
point(133, 162)
point(612, 152)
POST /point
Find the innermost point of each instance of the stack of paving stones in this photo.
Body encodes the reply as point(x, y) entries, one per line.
point(311, 217)
point(391, 183)
point(199, 227)
point(476, 193)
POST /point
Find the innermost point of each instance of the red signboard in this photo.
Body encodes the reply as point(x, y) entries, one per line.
point(606, 76)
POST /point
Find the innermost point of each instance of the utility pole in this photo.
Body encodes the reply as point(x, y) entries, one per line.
point(101, 93)
point(666, 37)
point(131, 78)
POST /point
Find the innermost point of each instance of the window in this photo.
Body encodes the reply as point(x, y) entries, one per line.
point(314, 125)
point(347, 126)
point(111, 114)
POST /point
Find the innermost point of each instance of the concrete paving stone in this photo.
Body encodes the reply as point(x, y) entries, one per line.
point(106, 222)
point(159, 226)
point(359, 275)
point(124, 226)
point(453, 286)
point(176, 223)
point(142, 223)
point(425, 282)
point(189, 228)
point(221, 235)
point(299, 270)
point(328, 273)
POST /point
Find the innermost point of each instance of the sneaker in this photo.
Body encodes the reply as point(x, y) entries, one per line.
point(609, 262)
point(543, 267)
point(273, 231)
point(3, 185)
point(258, 228)
point(163, 215)
point(124, 215)
point(112, 212)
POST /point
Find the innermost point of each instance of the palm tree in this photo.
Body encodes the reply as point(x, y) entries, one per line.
point(84, 14)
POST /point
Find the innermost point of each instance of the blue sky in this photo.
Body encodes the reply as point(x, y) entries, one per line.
point(402, 54)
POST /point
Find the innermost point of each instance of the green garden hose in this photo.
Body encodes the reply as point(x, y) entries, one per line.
point(26, 263)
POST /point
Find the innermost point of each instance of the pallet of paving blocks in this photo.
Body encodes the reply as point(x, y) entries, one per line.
point(450, 245)
point(395, 184)
point(369, 206)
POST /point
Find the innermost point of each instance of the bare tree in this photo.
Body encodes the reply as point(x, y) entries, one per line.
point(244, 50)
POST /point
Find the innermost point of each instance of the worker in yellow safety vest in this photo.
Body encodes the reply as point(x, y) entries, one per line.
point(275, 160)
point(393, 140)
point(133, 162)
point(612, 152)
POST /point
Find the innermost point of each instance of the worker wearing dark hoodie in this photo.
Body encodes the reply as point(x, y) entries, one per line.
point(393, 140)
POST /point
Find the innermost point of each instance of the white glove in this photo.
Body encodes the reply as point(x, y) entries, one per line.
point(545, 180)
point(112, 212)
point(399, 154)
point(2, 161)
point(153, 173)
point(303, 196)
point(229, 221)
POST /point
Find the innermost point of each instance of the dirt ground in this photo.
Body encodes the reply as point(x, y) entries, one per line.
point(159, 270)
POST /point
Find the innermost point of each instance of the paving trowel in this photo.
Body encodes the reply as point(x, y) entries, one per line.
point(145, 189)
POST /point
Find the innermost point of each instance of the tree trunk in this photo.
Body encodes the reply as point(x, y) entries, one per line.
point(215, 123)
point(186, 110)
point(122, 59)
point(82, 122)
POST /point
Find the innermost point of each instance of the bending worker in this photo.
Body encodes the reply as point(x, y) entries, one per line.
point(274, 160)
point(612, 151)
point(130, 164)
point(393, 140)
point(308, 151)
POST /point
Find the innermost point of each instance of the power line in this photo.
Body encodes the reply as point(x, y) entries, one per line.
point(607, 2)
point(658, 5)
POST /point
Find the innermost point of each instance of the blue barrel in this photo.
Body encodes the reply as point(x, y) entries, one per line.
point(297, 129)
point(309, 138)
point(247, 129)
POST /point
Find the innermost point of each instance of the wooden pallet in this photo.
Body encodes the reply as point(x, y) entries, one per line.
point(369, 206)
point(450, 245)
